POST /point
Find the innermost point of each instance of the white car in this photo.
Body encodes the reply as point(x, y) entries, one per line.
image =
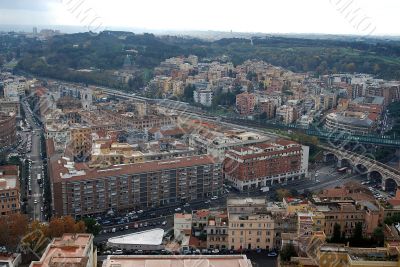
point(178, 209)
point(139, 212)
point(214, 198)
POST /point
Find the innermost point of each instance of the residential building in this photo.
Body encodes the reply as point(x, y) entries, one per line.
point(217, 230)
point(182, 225)
point(295, 205)
point(251, 231)
point(8, 133)
point(245, 103)
point(268, 107)
point(286, 114)
point(9, 190)
point(178, 260)
point(81, 142)
point(69, 250)
point(266, 164)
point(8, 107)
point(203, 97)
point(359, 123)
point(78, 190)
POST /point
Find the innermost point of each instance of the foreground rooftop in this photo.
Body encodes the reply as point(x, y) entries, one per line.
point(178, 261)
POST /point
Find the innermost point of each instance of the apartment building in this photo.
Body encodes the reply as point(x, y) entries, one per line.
point(268, 107)
point(69, 250)
point(251, 231)
point(203, 97)
point(8, 126)
point(266, 164)
point(217, 230)
point(245, 103)
point(78, 190)
point(9, 190)
point(347, 214)
point(8, 107)
point(80, 143)
point(286, 114)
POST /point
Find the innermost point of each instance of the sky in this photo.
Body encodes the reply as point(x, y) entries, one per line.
point(360, 17)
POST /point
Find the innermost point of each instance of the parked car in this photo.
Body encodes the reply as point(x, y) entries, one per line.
point(118, 252)
point(272, 254)
point(178, 209)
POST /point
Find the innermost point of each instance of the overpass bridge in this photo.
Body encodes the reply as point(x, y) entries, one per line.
point(376, 171)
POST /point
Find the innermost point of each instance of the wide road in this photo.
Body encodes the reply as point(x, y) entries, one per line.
point(35, 199)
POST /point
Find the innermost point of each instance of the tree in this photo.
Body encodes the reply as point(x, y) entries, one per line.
point(378, 236)
point(92, 226)
point(336, 236)
point(287, 252)
point(282, 193)
point(188, 93)
point(12, 228)
point(56, 227)
point(357, 237)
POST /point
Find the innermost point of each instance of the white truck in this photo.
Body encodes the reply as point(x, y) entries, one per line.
point(264, 189)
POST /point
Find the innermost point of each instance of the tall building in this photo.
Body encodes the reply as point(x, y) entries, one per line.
point(245, 103)
point(69, 250)
point(266, 164)
point(79, 190)
point(9, 190)
point(8, 133)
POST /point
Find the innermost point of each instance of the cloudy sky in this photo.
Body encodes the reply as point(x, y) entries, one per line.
point(361, 17)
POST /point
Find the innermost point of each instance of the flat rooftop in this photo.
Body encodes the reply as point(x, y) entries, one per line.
point(149, 237)
point(178, 261)
point(245, 201)
point(70, 248)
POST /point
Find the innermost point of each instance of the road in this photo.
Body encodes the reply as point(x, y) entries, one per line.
point(34, 210)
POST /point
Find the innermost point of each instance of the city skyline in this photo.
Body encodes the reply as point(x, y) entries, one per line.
point(347, 17)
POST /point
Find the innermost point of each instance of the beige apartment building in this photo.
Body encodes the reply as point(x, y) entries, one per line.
point(251, 231)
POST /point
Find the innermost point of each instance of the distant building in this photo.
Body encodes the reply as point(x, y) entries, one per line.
point(203, 97)
point(245, 103)
point(286, 114)
point(9, 190)
point(268, 107)
point(359, 123)
point(69, 250)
